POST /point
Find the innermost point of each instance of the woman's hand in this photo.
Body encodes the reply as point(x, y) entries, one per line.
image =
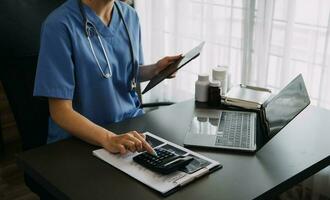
point(165, 62)
point(147, 72)
point(128, 142)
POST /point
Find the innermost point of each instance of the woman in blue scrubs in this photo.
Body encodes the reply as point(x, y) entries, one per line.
point(88, 80)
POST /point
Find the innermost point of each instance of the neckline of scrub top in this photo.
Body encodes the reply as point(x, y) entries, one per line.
point(105, 31)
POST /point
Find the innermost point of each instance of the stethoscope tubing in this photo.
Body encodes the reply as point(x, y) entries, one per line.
point(87, 23)
point(105, 75)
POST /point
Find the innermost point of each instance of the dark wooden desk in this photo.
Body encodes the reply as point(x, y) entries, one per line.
point(68, 169)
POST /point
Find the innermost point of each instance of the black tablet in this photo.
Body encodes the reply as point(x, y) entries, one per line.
point(168, 71)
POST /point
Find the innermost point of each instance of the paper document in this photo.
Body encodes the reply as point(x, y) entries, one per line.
point(165, 184)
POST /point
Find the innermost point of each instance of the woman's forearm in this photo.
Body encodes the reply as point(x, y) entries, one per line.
point(63, 114)
point(76, 124)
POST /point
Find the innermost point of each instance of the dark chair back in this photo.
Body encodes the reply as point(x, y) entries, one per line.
point(19, 38)
point(31, 113)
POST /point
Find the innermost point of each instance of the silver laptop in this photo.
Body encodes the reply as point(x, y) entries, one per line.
point(237, 130)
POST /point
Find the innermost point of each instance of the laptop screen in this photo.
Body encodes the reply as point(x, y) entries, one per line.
point(287, 104)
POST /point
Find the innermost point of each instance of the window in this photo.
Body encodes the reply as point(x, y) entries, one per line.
point(263, 42)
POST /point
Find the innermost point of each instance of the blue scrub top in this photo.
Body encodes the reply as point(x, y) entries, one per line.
point(67, 68)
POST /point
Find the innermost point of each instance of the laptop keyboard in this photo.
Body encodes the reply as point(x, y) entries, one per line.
point(234, 130)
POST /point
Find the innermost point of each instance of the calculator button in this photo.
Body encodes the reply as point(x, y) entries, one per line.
point(158, 163)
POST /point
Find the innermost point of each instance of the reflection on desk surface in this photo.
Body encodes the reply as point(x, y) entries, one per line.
point(205, 122)
point(204, 125)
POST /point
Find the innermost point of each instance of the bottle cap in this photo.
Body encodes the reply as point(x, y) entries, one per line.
point(219, 73)
point(203, 77)
point(220, 68)
point(215, 83)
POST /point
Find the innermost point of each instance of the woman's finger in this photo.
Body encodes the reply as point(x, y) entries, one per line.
point(145, 144)
point(142, 135)
point(173, 58)
point(141, 138)
point(137, 141)
point(121, 149)
point(129, 145)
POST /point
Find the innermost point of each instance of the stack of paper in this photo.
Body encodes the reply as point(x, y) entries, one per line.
point(165, 184)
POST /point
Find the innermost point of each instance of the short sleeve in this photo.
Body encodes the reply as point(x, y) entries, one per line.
point(55, 70)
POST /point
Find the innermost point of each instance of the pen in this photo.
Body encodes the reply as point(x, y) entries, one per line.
point(149, 149)
point(255, 88)
point(154, 153)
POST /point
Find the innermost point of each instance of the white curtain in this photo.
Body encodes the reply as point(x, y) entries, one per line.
point(292, 37)
point(170, 27)
point(263, 42)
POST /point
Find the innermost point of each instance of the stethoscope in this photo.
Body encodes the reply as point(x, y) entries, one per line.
point(90, 29)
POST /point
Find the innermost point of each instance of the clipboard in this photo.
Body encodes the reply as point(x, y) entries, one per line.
point(168, 71)
point(164, 184)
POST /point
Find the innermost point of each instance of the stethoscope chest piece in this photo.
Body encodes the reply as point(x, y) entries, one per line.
point(89, 29)
point(107, 75)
